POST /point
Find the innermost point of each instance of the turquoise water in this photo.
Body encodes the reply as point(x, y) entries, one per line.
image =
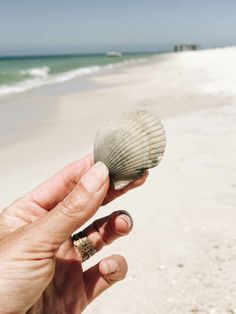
point(21, 73)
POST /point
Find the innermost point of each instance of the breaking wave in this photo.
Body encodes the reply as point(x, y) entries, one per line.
point(36, 77)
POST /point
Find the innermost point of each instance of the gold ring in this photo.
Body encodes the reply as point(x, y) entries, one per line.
point(85, 247)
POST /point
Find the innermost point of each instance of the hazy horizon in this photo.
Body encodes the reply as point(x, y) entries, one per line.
point(85, 53)
point(55, 27)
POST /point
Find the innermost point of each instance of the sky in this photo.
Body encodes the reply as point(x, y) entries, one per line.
point(79, 26)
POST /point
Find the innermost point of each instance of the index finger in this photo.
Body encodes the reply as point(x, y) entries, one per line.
point(55, 189)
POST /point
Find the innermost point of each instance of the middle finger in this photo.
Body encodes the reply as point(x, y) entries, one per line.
point(107, 229)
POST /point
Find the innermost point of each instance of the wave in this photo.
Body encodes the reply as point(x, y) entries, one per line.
point(66, 76)
point(37, 77)
point(36, 72)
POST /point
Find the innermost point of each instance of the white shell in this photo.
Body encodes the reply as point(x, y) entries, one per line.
point(128, 144)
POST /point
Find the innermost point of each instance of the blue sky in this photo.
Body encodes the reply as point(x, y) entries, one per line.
point(71, 26)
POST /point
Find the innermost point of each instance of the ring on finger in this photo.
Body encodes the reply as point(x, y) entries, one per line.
point(85, 247)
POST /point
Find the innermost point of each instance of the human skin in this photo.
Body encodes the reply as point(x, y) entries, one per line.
point(40, 269)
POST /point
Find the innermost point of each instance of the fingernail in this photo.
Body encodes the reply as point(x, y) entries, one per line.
point(127, 219)
point(94, 179)
point(110, 266)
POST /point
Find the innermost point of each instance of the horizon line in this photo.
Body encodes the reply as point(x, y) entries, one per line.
point(79, 54)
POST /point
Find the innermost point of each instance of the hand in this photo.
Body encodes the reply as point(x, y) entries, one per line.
point(40, 269)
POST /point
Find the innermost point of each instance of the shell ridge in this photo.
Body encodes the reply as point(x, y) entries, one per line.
point(123, 142)
point(125, 116)
point(134, 139)
point(134, 162)
point(141, 146)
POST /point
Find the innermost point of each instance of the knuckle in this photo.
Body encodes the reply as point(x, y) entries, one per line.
point(77, 201)
point(70, 208)
point(103, 238)
point(71, 183)
point(106, 235)
point(106, 238)
point(110, 281)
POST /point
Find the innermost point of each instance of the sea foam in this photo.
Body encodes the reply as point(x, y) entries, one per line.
point(36, 72)
point(37, 77)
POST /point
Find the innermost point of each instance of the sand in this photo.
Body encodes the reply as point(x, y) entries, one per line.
point(182, 251)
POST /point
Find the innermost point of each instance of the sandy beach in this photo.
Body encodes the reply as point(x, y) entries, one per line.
point(182, 251)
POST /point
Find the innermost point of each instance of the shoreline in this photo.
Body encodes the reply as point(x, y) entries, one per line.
point(39, 104)
point(62, 78)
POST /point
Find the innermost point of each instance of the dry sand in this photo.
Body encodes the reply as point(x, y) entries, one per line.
point(182, 251)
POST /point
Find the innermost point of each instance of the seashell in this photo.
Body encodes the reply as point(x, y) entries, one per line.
point(128, 144)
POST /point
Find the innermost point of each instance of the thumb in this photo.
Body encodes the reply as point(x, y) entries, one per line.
point(79, 206)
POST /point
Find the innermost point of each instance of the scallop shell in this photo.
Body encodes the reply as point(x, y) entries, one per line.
point(128, 144)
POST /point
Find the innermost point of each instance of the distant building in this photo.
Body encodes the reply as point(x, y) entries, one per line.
point(186, 47)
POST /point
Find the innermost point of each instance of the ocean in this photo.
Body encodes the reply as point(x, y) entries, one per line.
point(18, 74)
